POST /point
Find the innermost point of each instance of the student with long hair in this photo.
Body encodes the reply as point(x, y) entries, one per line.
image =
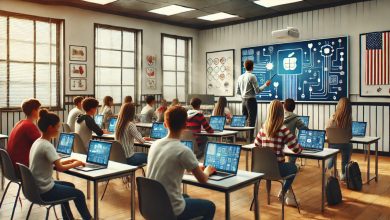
point(342, 118)
point(128, 99)
point(221, 108)
point(106, 110)
point(43, 156)
point(125, 133)
point(275, 135)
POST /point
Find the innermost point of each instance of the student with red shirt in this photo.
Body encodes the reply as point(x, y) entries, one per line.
point(195, 122)
point(24, 133)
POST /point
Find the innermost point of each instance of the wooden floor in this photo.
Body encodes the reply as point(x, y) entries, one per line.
point(372, 203)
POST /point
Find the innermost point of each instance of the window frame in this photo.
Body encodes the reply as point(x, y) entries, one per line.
point(60, 39)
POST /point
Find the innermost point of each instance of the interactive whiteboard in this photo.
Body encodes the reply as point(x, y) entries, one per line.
point(306, 71)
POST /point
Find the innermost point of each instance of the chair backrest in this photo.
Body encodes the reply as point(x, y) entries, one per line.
point(338, 135)
point(29, 187)
point(7, 166)
point(264, 160)
point(66, 128)
point(154, 203)
point(189, 136)
point(78, 146)
point(117, 153)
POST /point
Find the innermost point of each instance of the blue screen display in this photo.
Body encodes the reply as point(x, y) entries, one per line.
point(238, 121)
point(358, 128)
point(99, 120)
point(158, 130)
point(305, 120)
point(311, 139)
point(112, 124)
point(188, 144)
point(224, 157)
point(217, 122)
point(65, 143)
point(99, 152)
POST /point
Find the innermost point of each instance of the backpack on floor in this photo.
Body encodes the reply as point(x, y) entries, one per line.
point(333, 192)
point(353, 176)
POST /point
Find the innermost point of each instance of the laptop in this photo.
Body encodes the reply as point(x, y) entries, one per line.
point(224, 157)
point(217, 123)
point(99, 120)
point(359, 128)
point(238, 121)
point(98, 156)
point(188, 144)
point(112, 125)
point(305, 120)
point(311, 140)
point(65, 145)
point(158, 131)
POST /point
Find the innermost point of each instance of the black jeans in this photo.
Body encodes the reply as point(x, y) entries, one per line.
point(249, 109)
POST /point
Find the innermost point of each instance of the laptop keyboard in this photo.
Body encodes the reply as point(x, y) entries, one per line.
point(90, 165)
point(222, 174)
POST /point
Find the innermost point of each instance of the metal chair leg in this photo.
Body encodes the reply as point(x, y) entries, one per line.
point(5, 192)
point(283, 201)
point(16, 201)
point(295, 198)
point(29, 211)
point(47, 212)
point(268, 184)
point(55, 212)
point(143, 172)
point(66, 212)
point(105, 189)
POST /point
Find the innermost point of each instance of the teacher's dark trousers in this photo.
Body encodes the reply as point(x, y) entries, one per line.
point(249, 109)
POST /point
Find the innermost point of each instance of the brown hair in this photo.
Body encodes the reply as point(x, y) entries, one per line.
point(343, 113)
point(47, 119)
point(89, 103)
point(107, 100)
point(149, 99)
point(275, 118)
point(128, 99)
point(220, 107)
point(175, 118)
point(77, 100)
point(30, 105)
point(126, 115)
point(196, 102)
point(248, 65)
point(289, 105)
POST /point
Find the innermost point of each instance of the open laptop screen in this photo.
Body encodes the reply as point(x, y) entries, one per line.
point(99, 120)
point(188, 144)
point(65, 143)
point(311, 139)
point(217, 122)
point(99, 152)
point(238, 121)
point(305, 120)
point(224, 157)
point(158, 130)
point(112, 124)
point(359, 128)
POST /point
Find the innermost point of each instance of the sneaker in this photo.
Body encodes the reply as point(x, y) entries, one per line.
point(290, 201)
point(280, 195)
point(342, 177)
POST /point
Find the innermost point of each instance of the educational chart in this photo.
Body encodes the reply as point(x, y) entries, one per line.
point(306, 71)
point(220, 73)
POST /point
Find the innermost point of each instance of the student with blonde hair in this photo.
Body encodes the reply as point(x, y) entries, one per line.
point(275, 135)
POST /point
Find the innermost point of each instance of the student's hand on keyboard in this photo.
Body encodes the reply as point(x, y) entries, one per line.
point(148, 139)
point(78, 163)
point(209, 170)
point(105, 131)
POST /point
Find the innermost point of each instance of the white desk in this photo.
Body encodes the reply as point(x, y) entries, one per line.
point(113, 171)
point(144, 125)
point(229, 185)
point(109, 137)
point(3, 138)
point(248, 130)
point(323, 156)
point(219, 135)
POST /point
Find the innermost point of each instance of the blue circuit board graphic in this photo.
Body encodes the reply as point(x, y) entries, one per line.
point(306, 71)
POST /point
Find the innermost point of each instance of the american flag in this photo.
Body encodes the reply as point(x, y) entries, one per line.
point(378, 58)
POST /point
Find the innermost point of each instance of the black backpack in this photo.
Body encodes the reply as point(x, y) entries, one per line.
point(333, 192)
point(353, 176)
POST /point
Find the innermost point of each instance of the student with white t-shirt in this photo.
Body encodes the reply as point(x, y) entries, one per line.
point(76, 111)
point(167, 160)
point(43, 156)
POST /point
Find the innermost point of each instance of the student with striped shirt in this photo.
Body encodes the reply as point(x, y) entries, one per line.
point(195, 122)
point(275, 135)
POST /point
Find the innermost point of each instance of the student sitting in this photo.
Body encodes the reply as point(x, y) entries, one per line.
point(147, 113)
point(292, 121)
point(221, 109)
point(342, 118)
point(161, 110)
point(85, 124)
point(125, 133)
point(24, 133)
point(128, 99)
point(195, 121)
point(76, 111)
point(167, 160)
point(275, 135)
point(106, 110)
point(175, 102)
point(43, 156)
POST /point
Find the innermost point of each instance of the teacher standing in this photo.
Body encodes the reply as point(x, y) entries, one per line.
point(247, 88)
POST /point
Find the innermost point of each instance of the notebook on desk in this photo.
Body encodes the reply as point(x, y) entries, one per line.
point(65, 145)
point(305, 120)
point(224, 157)
point(311, 140)
point(238, 121)
point(217, 123)
point(98, 156)
point(112, 125)
point(99, 120)
point(359, 128)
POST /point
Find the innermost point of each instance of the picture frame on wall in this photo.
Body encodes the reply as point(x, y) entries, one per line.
point(78, 84)
point(77, 53)
point(77, 70)
point(220, 80)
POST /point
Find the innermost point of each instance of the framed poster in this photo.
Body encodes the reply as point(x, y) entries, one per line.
point(220, 73)
point(77, 70)
point(77, 84)
point(375, 64)
point(77, 53)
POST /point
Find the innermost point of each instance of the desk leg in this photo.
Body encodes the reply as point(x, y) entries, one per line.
point(132, 199)
point(220, 139)
point(247, 160)
point(95, 200)
point(376, 161)
point(88, 189)
point(234, 139)
point(335, 166)
point(256, 195)
point(227, 206)
point(368, 146)
point(323, 187)
point(248, 136)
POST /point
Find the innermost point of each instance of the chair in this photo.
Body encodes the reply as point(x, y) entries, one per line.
point(79, 146)
point(31, 192)
point(66, 128)
point(264, 161)
point(8, 171)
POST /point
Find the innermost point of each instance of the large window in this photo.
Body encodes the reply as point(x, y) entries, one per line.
point(115, 62)
point(30, 59)
point(175, 65)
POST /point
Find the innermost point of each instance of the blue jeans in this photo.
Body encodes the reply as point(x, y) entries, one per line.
point(63, 190)
point(137, 159)
point(346, 152)
point(196, 208)
point(292, 159)
point(287, 169)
